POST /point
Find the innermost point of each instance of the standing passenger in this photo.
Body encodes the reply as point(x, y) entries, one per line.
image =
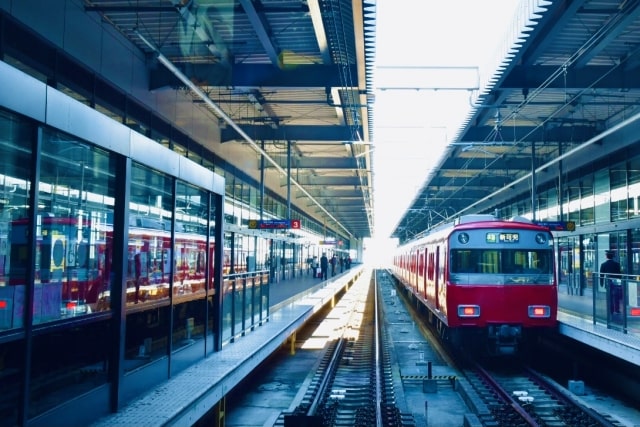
point(324, 266)
point(609, 272)
point(334, 261)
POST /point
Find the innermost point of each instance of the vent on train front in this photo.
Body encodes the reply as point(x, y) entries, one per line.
point(475, 218)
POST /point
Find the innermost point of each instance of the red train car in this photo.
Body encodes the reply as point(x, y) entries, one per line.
point(487, 285)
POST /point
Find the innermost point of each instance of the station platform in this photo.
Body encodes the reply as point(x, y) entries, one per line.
point(584, 319)
point(185, 398)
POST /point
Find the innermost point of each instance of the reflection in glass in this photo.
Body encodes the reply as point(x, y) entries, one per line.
point(73, 245)
point(15, 149)
point(73, 229)
point(150, 266)
point(192, 259)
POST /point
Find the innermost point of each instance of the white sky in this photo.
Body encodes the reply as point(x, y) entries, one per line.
point(411, 128)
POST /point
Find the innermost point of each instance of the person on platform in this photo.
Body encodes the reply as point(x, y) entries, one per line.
point(324, 266)
point(609, 275)
point(333, 261)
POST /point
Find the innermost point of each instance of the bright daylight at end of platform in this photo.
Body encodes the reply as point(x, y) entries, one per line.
point(428, 63)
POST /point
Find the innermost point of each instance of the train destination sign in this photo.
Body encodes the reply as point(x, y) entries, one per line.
point(503, 237)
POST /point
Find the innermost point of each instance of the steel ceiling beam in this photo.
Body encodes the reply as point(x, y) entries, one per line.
point(289, 132)
point(252, 75)
point(329, 181)
point(262, 29)
point(555, 132)
point(592, 76)
point(480, 163)
point(323, 163)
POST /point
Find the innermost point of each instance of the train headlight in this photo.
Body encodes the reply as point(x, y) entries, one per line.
point(541, 238)
point(468, 311)
point(539, 311)
point(463, 238)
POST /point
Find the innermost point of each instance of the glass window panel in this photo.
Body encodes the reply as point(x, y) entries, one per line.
point(589, 261)
point(15, 150)
point(569, 268)
point(150, 266)
point(74, 224)
point(213, 325)
point(71, 269)
point(635, 251)
point(192, 258)
point(602, 196)
point(212, 242)
point(78, 364)
point(587, 200)
point(634, 200)
point(619, 198)
point(634, 187)
point(574, 202)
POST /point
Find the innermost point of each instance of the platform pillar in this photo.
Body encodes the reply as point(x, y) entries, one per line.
point(292, 348)
point(220, 409)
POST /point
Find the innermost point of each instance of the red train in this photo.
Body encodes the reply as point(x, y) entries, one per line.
point(488, 285)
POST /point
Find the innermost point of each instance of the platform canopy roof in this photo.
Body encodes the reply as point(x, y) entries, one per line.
point(287, 81)
point(569, 74)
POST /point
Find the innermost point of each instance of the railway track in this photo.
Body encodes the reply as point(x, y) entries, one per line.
point(353, 385)
point(515, 395)
point(507, 393)
point(361, 380)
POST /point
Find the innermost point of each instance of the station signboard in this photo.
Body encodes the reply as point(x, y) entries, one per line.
point(558, 225)
point(274, 224)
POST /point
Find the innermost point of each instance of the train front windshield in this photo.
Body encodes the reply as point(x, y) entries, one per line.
point(501, 266)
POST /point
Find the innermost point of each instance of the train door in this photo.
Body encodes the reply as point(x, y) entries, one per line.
point(421, 272)
point(441, 302)
point(430, 289)
point(416, 270)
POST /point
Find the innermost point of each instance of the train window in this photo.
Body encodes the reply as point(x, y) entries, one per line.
point(421, 264)
point(515, 265)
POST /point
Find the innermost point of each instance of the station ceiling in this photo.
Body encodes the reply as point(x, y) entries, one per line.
point(292, 83)
point(568, 76)
point(287, 80)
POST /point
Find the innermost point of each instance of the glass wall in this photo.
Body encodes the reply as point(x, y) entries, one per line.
point(16, 139)
point(619, 194)
point(60, 266)
point(634, 187)
point(73, 243)
point(569, 280)
point(15, 147)
point(152, 266)
point(74, 229)
point(194, 263)
point(609, 194)
point(634, 256)
point(62, 272)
